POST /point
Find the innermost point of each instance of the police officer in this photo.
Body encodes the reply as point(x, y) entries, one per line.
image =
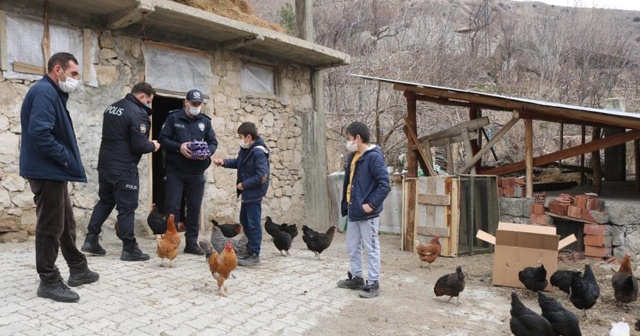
point(125, 137)
point(185, 172)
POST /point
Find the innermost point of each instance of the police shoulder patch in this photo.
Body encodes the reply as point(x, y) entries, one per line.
point(143, 128)
point(201, 126)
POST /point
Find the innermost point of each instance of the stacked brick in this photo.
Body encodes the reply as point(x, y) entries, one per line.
point(511, 187)
point(538, 214)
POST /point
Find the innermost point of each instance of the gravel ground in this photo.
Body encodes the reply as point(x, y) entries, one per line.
point(407, 305)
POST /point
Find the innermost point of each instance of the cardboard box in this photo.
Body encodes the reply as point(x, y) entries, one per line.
point(520, 245)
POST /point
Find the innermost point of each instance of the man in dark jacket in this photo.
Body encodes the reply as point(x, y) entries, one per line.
point(366, 185)
point(49, 159)
point(252, 183)
point(185, 170)
point(125, 137)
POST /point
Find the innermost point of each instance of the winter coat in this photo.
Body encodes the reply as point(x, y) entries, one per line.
point(253, 171)
point(370, 185)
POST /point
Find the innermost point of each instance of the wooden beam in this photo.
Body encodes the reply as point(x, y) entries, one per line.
point(528, 154)
point(471, 125)
point(495, 156)
point(468, 150)
point(3, 42)
point(131, 15)
point(432, 231)
point(46, 36)
point(448, 102)
point(537, 111)
point(490, 144)
point(566, 153)
point(422, 157)
point(412, 159)
point(596, 162)
point(410, 213)
point(241, 42)
point(636, 155)
point(86, 55)
point(434, 199)
point(561, 141)
point(443, 142)
point(449, 157)
point(28, 68)
point(583, 177)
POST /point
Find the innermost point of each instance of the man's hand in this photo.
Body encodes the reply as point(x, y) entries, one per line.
point(218, 162)
point(156, 144)
point(239, 186)
point(184, 150)
point(367, 208)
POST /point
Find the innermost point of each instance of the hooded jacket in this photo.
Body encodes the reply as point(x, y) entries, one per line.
point(48, 145)
point(370, 184)
point(253, 170)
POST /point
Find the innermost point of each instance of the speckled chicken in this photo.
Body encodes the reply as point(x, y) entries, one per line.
point(218, 241)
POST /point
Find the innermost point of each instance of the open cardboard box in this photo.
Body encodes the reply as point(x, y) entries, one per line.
point(521, 245)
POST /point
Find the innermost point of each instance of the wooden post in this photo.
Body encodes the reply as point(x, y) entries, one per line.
point(561, 142)
point(595, 163)
point(475, 113)
point(636, 152)
point(46, 41)
point(528, 153)
point(583, 176)
point(412, 175)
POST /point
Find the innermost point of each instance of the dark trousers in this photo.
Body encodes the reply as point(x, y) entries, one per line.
point(192, 187)
point(55, 229)
point(250, 214)
point(117, 189)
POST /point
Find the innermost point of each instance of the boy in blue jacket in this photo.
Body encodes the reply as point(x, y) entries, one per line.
point(366, 185)
point(252, 183)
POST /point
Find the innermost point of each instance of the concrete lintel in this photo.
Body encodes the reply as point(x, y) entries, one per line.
point(129, 16)
point(241, 42)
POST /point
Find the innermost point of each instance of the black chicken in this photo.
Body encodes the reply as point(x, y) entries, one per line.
point(316, 241)
point(272, 228)
point(625, 285)
point(156, 221)
point(451, 284)
point(291, 229)
point(534, 278)
point(526, 322)
point(228, 230)
point(563, 322)
point(562, 280)
point(584, 290)
point(283, 242)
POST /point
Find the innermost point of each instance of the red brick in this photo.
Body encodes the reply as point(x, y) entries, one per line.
point(508, 192)
point(537, 208)
point(593, 204)
point(581, 201)
point(586, 215)
point(574, 211)
point(594, 240)
point(558, 208)
point(540, 219)
point(594, 229)
point(593, 251)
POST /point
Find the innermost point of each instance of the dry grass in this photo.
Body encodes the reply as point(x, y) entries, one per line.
point(233, 9)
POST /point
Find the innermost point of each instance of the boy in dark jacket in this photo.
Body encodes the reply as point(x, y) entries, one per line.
point(366, 185)
point(252, 183)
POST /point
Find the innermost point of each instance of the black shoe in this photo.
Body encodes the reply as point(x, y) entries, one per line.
point(370, 290)
point(92, 246)
point(82, 278)
point(251, 260)
point(193, 249)
point(133, 254)
point(57, 291)
point(351, 282)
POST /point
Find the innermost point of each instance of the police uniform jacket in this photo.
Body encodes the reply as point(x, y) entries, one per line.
point(125, 134)
point(178, 128)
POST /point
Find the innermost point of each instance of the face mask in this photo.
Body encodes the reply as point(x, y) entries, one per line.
point(70, 84)
point(243, 144)
point(352, 146)
point(147, 105)
point(194, 111)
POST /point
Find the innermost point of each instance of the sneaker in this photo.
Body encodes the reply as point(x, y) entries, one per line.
point(57, 291)
point(133, 254)
point(370, 290)
point(193, 249)
point(92, 245)
point(82, 278)
point(351, 282)
point(251, 260)
point(243, 255)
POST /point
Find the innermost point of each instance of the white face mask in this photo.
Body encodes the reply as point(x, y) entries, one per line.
point(352, 146)
point(69, 85)
point(243, 144)
point(194, 111)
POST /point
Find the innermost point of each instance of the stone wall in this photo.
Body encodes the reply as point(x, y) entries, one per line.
point(119, 65)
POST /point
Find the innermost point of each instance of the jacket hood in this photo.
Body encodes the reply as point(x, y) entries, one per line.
point(130, 97)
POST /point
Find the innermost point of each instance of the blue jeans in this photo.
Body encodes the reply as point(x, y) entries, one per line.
point(250, 214)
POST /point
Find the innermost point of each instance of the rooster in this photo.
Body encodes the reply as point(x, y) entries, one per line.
point(316, 241)
point(220, 264)
point(168, 243)
point(228, 230)
point(451, 284)
point(625, 285)
point(429, 252)
point(156, 220)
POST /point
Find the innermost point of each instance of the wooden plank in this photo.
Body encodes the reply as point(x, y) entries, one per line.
point(3, 42)
point(490, 144)
point(410, 209)
point(448, 102)
point(430, 210)
point(566, 153)
point(441, 211)
point(471, 125)
point(443, 142)
point(596, 163)
point(532, 110)
point(28, 68)
point(449, 158)
point(583, 176)
point(414, 145)
point(86, 55)
point(410, 123)
point(636, 155)
point(432, 231)
point(454, 222)
point(46, 38)
point(434, 199)
point(468, 149)
point(528, 154)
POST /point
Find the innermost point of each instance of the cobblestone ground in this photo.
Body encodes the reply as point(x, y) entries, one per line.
point(283, 295)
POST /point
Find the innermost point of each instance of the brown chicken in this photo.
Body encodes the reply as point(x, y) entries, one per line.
point(429, 252)
point(220, 264)
point(625, 285)
point(168, 242)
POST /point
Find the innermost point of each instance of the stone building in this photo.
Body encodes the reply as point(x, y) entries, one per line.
point(248, 73)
